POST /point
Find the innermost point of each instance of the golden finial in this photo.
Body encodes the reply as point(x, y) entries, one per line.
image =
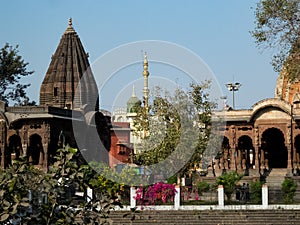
point(145, 73)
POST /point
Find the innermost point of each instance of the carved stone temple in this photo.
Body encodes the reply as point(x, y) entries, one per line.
point(68, 92)
point(265, 139)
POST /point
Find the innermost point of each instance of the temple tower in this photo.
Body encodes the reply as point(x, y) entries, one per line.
point(69, 82)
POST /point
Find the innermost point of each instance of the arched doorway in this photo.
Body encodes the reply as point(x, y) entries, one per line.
point(35, 150)
point(246, 154)
point(14, 148)
point(275, 151)
point(223, 156)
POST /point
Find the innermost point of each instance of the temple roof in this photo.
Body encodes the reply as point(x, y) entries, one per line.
point(68, 68)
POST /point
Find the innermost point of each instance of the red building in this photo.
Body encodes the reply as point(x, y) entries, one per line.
point(121, 148)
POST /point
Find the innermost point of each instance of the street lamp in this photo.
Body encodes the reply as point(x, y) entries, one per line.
point(233, 87)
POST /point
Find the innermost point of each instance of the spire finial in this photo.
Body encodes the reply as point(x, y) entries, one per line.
point(133, 91)
point(145, 73)
point(70, 27)
point(70, 22)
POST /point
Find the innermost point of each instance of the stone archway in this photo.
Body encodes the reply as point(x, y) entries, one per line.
point(14, 147)
point(246, 155)
point(222, 159)
point(274, 149)
point(35, 150)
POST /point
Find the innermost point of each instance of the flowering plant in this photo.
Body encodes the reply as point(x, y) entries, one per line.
point(156, 193)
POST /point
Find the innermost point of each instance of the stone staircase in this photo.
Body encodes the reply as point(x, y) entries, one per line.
point(274, 182)
point(208, 217)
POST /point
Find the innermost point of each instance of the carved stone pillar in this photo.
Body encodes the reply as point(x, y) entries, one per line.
point(262, 159)
point(233, 145)
point(218, 170)
point(24, 139)
point(294, 157)
point(232, 159)
point(289, 149)
point(237, 161)
point(256, 160)
point(45, 161)
point(222, 163)
point(46, 140)
point(256, 148)
point(297, 160)
point(226, 159)
point(289, 162)
point(41, 158)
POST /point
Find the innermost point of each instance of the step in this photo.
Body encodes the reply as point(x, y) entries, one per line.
point(244, 217)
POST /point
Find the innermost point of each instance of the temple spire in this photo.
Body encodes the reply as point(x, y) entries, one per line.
point(69, 81)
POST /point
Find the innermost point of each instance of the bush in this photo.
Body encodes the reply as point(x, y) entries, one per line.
point(202, 186)
point(172, 179)
point(155, 194)
point(255, 190)
point(288, 188)
point(229, 181)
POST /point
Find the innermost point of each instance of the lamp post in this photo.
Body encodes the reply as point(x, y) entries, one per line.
point(233, 87)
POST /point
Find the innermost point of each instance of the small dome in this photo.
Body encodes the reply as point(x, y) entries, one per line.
point(133, 102)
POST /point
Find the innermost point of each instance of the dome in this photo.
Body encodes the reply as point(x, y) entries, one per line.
point(133, 102)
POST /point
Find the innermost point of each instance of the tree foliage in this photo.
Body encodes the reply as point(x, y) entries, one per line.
point(289, 188)
point(177, 127)
point(31, 196)
point(229, 181)
point(277, 27)
point(12, 69)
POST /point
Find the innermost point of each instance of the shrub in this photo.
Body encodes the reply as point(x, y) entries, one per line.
point(255, 190)
point(288, 188)
point(156, 193)
point(203, 186)
point(172, 179)
point(229, 181)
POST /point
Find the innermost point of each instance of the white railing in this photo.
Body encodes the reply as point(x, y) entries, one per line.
point(220, 206)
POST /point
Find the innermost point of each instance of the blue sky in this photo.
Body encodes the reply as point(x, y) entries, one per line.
point(215, 30)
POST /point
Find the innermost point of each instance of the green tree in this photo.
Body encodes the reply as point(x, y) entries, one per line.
point(32, 196)
point(277, 28)
point(229, 181)
point(12, 69)
point(177, 128)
